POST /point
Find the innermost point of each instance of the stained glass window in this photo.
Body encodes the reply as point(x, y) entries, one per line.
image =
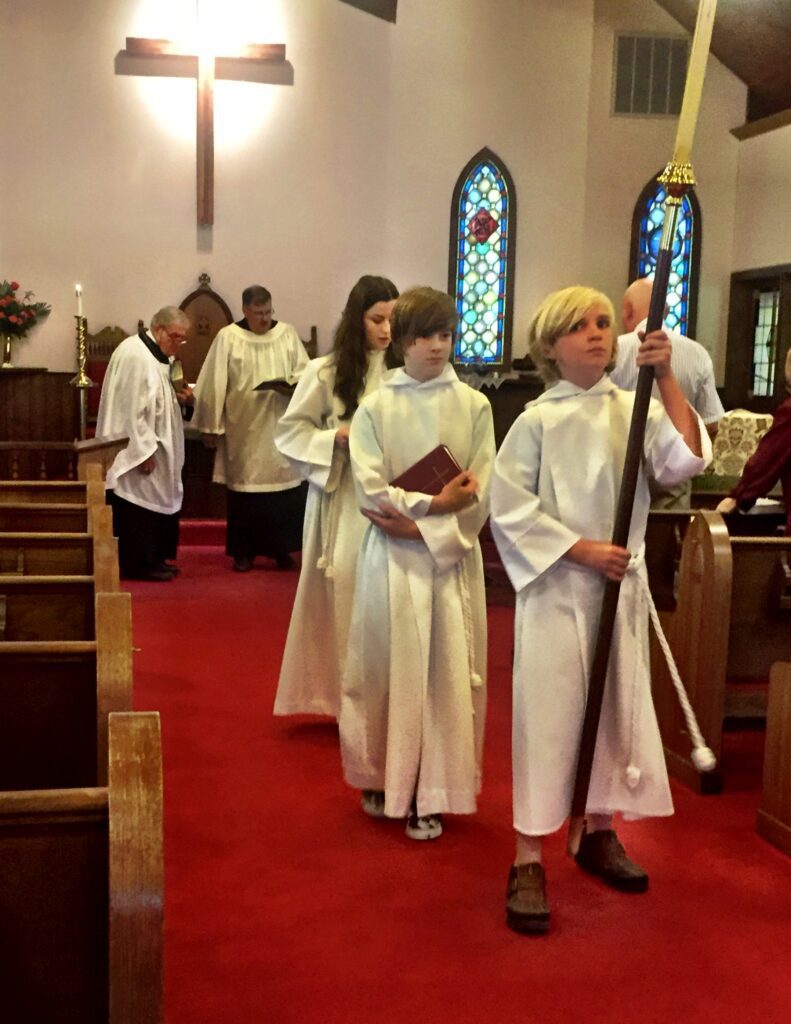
point(481, 261)
point(646, 241)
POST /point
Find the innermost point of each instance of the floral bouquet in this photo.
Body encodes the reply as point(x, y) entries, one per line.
point(17, 316)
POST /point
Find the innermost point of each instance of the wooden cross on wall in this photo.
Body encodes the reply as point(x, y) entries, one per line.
point(264, 63)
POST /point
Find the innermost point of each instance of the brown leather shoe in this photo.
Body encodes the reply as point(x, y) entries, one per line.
point(526, 908)
point(601, 854)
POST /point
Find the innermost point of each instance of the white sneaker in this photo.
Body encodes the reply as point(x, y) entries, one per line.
point(427, 827)
point(372, 802)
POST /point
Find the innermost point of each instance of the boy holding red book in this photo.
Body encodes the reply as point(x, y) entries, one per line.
point(414, 694)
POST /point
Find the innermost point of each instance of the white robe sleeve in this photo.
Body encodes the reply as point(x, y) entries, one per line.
point(529, 540)
point(128, 406)
point(212, 388)
point(669, 460)
point(302, 434)
point(451, 536)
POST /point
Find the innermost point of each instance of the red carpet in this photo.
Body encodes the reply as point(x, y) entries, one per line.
point(286, 904)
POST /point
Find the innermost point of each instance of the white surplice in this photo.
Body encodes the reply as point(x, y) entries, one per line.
point(413, 697)
point(556, 480)
point(139, 402)
point(315, 650)
point(227, 403)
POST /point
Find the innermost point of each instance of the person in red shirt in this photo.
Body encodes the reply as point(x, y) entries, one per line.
point(770, 462)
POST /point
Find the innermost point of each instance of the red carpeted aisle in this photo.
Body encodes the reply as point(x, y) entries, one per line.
point(286, 905)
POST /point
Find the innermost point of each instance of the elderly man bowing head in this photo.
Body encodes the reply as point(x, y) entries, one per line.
point(145, 401)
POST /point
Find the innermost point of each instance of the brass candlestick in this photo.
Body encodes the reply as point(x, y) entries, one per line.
point(81, 380)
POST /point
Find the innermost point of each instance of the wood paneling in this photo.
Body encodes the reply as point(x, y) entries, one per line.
point(36, 405)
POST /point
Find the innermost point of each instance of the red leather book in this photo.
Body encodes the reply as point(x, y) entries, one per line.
point(429, 474)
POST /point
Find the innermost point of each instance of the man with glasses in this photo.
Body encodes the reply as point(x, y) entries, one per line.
point(144, 482)
point(242, 391)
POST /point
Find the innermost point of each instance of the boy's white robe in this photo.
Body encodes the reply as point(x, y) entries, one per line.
point(315, 651)
point(413, 698)
point(138, 401)
point(226, 403)
point(556, 480)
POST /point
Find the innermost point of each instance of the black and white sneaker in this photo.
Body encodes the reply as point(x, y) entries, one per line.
point(372, 802)
point(427, 827)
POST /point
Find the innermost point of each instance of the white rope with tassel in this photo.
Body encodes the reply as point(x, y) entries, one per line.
point(466, 612)
point(702, 756)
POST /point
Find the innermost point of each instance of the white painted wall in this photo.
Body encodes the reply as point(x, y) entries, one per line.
point(763, 208)
point(348, 171)
point(625, 152)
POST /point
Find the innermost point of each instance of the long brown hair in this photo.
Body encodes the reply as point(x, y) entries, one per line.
point(351, 354)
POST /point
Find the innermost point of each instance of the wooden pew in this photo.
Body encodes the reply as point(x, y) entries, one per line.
point(47, 608)
point(49, 492)
point(55, 697)
point(32, 518)
point(58, 460)
point(731, 620)
point(81, 889)
point(774, 814)
point(63, 554)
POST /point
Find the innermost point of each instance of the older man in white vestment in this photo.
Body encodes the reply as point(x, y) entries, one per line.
point(144, 481)
point(692, 368)
point(266, 495)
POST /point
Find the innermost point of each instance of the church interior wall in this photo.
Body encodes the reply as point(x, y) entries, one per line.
point(624, 152)
point(763, 209)
point(350, 170)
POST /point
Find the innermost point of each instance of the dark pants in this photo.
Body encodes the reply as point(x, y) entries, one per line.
point(145, 538)
point(265, 523)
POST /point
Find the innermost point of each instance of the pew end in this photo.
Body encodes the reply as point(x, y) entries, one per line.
point(773, 820)
point(696, 626)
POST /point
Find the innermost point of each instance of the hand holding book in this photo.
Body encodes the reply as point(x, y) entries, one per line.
point(457, 494)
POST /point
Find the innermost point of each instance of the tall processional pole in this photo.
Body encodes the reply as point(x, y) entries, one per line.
point(678, 180)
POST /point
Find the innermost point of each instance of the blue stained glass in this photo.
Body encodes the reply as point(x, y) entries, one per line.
point(481, 269)
point(649, 244)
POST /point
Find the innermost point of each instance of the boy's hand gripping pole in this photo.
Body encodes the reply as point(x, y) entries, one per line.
point(678, 179)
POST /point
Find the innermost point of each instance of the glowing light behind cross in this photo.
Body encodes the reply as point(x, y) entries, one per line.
point(216, 27)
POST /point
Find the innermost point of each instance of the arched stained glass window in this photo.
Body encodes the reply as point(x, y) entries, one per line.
point(481, 263)
point(647, 221)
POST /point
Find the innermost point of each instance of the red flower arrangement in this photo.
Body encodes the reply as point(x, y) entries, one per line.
point(17, 316)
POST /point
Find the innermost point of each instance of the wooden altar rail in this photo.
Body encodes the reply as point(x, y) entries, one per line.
point(81, 873)
point(56, 695)
point(57, 460)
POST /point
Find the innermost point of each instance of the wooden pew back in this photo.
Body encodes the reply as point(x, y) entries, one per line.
point(732, 620)
point(47, 608)
point(81, 891)
point(56, 697)
point(697, 631)
point(760, 631)
point(34, 518)
point(46, 554)
point(774, 815)
point(49, 492)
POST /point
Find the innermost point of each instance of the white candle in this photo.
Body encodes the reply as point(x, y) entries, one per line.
point(78, 293)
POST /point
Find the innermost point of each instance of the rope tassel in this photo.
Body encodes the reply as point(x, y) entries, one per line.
point(702, 755)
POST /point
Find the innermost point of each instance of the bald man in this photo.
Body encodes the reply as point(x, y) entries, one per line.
point(691, 365)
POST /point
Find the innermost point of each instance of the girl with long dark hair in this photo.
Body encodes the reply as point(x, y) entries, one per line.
point(314, 435)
